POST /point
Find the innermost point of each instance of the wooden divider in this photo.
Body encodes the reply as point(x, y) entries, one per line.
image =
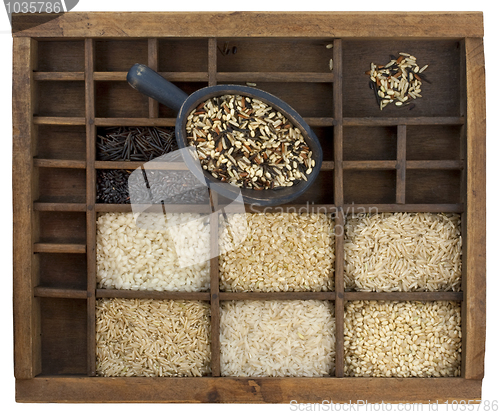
point(91, 200)
point(401, 165)
point(153, 64)
point(214, 239)
point(338, 192)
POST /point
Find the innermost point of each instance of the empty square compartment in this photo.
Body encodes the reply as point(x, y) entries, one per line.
point(62, 142)
point(67, 271)
point(370, 143)
point(433, 186)
point(325, 137)
point(61, 227)
point(60, 98)
point(440, 98)
point(309, 99)
point(182, 55)
point(273, 55)
point(369, 186)
point(320, 192)
point(63, 324)
point(120, 55)
point(61, 185)
point(118, 99)
point(433, 142)
point(61, 56)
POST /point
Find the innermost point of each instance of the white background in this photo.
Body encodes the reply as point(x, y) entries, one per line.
point(491, 390)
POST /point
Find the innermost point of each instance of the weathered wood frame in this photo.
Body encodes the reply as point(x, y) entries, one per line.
point(31, 387)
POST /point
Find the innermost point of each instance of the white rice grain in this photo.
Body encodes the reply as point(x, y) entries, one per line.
point(152, 256)
point(277, 338)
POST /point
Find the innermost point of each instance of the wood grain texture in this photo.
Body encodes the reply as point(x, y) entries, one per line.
point(90, 100)
point(59, 207)
point(62, 164)
point(50, 292)
point(55, 248)
point(475, 273)
point(245, 390)
point(212, 61)
point(26, 348)
point(153, 64)
point(214, 285)
point(253, 24)
point(401, 165)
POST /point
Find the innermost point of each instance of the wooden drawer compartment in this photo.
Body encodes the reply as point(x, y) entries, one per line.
point(70, 86)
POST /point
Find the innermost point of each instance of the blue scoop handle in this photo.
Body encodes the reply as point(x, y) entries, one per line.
point(152, 84)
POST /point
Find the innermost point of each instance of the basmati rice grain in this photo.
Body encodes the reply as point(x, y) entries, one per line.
point(277, 338)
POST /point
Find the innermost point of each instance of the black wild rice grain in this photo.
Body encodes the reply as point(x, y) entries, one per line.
point(135, 143)
point(162, 186)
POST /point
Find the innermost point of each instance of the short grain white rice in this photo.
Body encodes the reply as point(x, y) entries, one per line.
point(402, 339)
point(277, 338)
point(403, 252)
point(282, 252)
point(148, 257)
point(144, 337)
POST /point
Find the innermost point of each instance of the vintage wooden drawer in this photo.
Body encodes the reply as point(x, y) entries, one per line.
point(69, 81)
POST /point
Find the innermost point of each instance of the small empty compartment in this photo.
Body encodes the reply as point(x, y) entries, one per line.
point(369, 186)
point(433, 186)
point(61, 185)
point(62, 270)
point(320, 192)
point(433, 142)
point(325, 137)
point(61, 56)
point(62, 142)
point(183, 55)
point(188, 88)
point(120, 55)
point(62, 227)
point(439, 98)
point(273, 55)
point(119, 99)
point(63, 324)
point(61, 98)
point(370, 143)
